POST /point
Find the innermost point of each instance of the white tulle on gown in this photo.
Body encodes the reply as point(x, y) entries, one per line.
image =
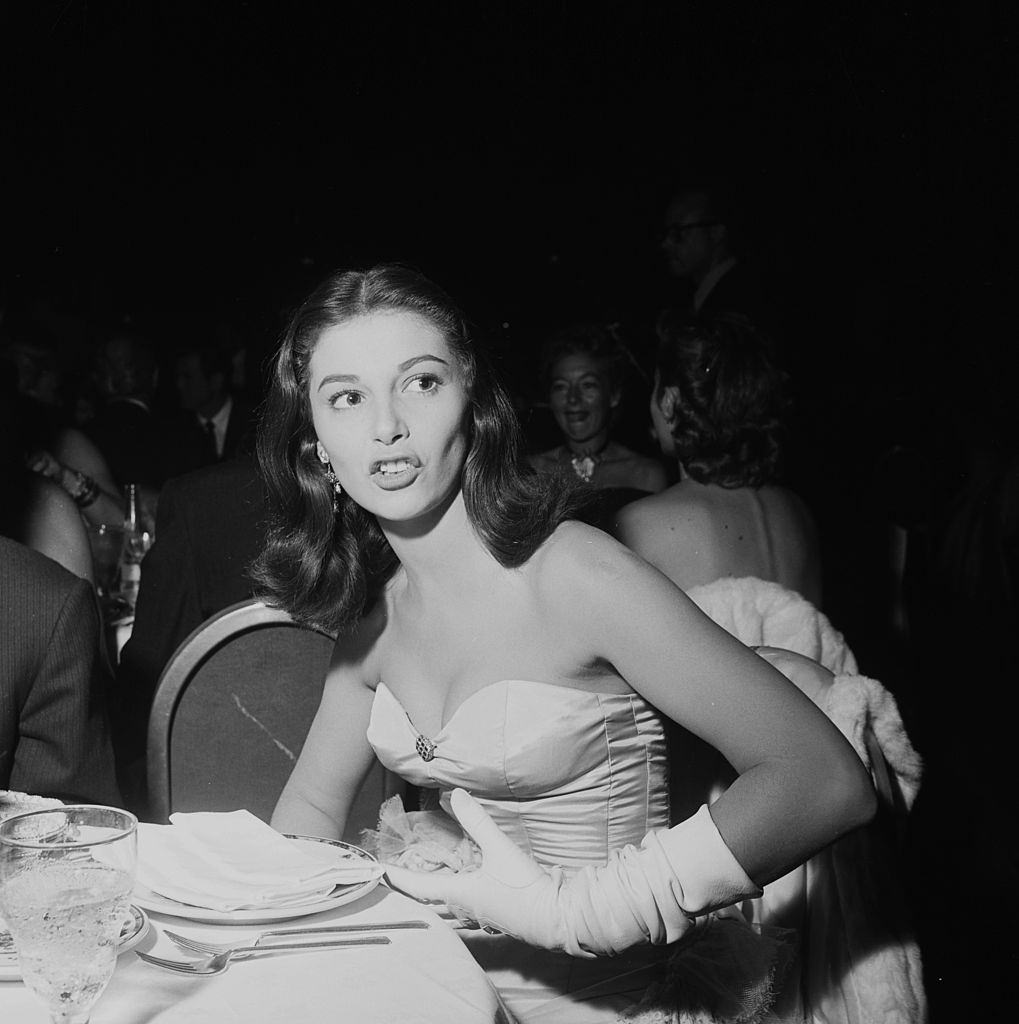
point(570, 775)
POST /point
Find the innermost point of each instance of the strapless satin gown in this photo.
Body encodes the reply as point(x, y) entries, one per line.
point(570, 776)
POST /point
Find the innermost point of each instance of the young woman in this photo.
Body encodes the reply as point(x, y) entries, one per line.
point(718, 407)
point(491, 644)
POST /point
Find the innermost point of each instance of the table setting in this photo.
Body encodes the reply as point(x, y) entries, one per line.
point(222, 919)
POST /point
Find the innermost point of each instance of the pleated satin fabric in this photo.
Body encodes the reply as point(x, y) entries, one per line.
point(568, 774)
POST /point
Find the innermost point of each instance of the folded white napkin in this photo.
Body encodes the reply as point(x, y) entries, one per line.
point(234, 861)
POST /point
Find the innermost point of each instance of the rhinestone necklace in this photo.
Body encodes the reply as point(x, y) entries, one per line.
point(585, 465)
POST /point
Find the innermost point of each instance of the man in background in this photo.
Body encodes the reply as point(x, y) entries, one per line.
point(700, 242)
point(215, 423)
point(125, 429)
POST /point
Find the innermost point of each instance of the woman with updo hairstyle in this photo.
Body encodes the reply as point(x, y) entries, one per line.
point(718, 408)
point(489, 645)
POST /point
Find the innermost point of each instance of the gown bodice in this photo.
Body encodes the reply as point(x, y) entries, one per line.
point(570, 775)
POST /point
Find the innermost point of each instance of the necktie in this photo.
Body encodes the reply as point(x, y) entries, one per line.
point(211, 453)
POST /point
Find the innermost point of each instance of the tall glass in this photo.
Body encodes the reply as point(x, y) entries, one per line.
point(66, 877)
point(107, 542)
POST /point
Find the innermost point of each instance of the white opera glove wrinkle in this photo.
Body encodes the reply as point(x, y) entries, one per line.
point(651, 894)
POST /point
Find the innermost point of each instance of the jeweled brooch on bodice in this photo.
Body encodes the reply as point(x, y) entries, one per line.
point(425, 747)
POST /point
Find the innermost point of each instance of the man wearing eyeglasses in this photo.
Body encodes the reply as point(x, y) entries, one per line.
point(697, 241)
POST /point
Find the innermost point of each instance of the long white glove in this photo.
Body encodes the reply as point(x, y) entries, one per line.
point(651, 894)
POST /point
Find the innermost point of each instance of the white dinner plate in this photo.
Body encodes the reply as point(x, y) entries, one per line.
point(340, 896)
point(134, 930)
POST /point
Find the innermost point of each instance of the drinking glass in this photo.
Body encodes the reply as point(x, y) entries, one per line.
point(107, 542)
point(66, 877)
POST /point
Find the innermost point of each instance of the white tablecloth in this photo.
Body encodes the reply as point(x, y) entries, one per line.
point(425, 975)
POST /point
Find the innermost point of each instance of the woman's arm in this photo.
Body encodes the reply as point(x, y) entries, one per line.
point(336, 756)
point(800, 785)
point(54, 528)
point(79, 467)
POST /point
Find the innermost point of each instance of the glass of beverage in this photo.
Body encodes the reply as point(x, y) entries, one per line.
point(107, 543)
point(66, 876)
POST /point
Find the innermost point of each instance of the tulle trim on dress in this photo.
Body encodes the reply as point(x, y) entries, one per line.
point(420, 840)
point(723, 971)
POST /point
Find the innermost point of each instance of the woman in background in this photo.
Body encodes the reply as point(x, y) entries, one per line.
point(33, 510)
point(583, 371)
point(717, 408)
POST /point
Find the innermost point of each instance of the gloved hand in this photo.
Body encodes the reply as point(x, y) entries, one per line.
point(651, 894)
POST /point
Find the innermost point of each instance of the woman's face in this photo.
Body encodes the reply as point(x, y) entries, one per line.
point(582, 397)
point(388, 404)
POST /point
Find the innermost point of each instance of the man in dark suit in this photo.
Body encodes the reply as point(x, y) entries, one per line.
point(216, 423)
point(125, 429)
point(54, 730)
point(209, 528)
point(699, 244)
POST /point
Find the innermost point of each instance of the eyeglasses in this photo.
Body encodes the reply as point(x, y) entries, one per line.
point(674, 232)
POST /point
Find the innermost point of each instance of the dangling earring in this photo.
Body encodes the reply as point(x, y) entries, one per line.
point(323, 457)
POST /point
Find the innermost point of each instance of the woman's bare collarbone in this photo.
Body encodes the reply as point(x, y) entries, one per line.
point(433, 659)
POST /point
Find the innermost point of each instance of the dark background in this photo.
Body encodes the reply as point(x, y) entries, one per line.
point(194, 168)
point(185, 162)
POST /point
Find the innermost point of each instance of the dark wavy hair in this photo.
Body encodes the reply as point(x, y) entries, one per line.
point(729, 417)
point(328, 567)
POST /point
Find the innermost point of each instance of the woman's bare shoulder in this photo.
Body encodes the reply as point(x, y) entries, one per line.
point(665, 529)
point(599, 593)
point(676, 507)
point(358, 649)
point(577, 555)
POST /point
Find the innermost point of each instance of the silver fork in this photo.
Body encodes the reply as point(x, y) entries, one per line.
point(190, 945)
point(219, 962)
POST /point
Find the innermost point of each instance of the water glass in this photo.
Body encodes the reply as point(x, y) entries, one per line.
point(66, 877)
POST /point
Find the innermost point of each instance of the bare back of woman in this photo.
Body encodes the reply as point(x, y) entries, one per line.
point(696, 533)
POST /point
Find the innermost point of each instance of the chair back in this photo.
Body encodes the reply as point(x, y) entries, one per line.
point(231, 712)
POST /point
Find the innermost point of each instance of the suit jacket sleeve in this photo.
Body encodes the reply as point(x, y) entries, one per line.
point(64, 747)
